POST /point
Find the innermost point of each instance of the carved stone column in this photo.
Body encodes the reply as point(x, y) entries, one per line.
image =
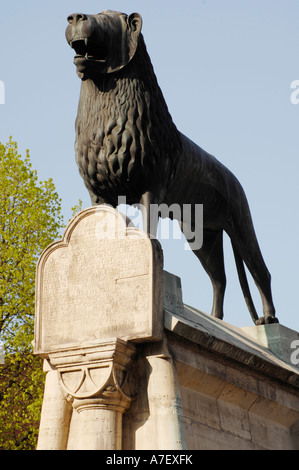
point(100, 422)
point(165, 402)
point(55, 415)
point(94, 380)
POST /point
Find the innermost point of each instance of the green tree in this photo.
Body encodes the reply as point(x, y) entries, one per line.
point(30, 219)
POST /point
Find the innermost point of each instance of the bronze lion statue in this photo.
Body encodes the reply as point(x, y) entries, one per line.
point(127, 145)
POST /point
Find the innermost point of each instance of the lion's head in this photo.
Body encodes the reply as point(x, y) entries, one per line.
point(104, 43)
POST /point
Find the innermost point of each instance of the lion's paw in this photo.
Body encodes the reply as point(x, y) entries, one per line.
point(266, 320)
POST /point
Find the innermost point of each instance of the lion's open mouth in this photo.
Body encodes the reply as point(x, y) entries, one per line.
point(89, 50)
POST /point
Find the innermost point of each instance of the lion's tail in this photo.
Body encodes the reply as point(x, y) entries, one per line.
point(244, 285)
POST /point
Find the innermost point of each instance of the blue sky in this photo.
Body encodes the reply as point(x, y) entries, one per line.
point(225, 68)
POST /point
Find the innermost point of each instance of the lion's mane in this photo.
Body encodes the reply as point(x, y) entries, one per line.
point(126, 139)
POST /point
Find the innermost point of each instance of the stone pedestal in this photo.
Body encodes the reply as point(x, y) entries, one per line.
point(129, 366)
point(98, 291)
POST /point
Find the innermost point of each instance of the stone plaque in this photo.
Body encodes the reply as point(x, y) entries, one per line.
point(104, 279)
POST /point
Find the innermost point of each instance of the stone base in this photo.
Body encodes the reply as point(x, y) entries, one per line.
point(279, 339)
point(129, 366)
point(235, 394)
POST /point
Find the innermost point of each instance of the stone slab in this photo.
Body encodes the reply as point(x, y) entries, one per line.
point(172, 293)
point(228, 340)
point(279, 339)
point(104, 279)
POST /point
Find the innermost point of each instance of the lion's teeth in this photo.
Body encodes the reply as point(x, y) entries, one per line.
point(86, 55)
point(85, 41)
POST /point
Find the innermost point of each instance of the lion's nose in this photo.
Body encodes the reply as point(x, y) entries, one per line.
point(76, 17)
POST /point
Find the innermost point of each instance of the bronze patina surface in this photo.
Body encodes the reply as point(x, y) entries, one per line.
point(127, 145)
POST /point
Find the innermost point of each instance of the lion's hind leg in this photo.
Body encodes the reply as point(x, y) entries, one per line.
point(212, 260)
point(246, 245)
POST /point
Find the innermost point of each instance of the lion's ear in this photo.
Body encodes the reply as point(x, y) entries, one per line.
point(135, 23)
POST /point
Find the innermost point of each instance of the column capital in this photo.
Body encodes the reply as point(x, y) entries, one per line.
point(96, 375)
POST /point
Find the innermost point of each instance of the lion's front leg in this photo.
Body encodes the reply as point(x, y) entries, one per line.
point(150, 216)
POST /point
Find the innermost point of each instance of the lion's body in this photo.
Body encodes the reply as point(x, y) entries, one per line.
point(127, 145)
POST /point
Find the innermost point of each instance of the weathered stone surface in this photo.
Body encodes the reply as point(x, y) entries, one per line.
point(202, 384)
point(230, 342)
point(85, 397)
point(104, 279)
point(56, 414)
point(277, 338)
point(173, 296)
point(237, 394)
